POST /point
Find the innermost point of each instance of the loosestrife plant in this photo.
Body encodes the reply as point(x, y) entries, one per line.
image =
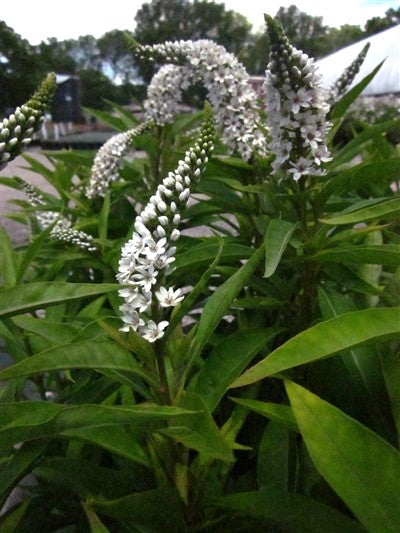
point(266, 399)
point(228, 89)
point(16, 131)
point(147, 256)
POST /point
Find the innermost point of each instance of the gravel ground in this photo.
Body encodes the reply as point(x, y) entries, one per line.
point(19, 232)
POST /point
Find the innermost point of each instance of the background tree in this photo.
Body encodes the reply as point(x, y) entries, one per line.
point(20, 70)
point(56, 56)
point(117, 57)
point(85, 52)
point(377, 24)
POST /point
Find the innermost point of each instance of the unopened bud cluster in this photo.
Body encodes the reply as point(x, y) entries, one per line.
point(62, 230)
point(105, 169)
point(296, 106)
point(147, 256)
point(16, 131)
point(346, 79)
point(232, 98)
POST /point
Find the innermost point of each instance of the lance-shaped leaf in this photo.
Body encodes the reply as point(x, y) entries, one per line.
point(292, 511)
point(87, 354)
point(276, 239)
point(38, 295)
point(360, 466)
point(384, 210)
point(325, 339)
point(382, 254)
point(220, 301)
point(227, 360)
point(277, 412)
point(32, 420)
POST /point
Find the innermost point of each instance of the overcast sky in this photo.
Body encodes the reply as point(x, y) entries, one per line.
point(36, 20)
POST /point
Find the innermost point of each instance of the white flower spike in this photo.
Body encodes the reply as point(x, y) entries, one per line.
point(146, 257)
point(296, 106)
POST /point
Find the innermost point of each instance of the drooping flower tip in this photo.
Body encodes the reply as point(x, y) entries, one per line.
point(234, 102)
point(16, 131)
point(108, 159)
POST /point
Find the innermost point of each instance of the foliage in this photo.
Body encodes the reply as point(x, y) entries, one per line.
point(268, 400)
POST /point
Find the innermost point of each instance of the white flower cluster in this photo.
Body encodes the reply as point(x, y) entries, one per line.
point(164, 93)
point(296, 106)
point(62, 230)
point(107, 162)
point(147, 256)
point(16, 130)
point(232, 98)
point(346, 79)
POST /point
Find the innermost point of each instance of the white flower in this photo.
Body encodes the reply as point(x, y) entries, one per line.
point(131, 319)
point(146, 276)
point(169, 297)
point(154, 249)
point(136, 299)
point(301, 167)
point(152, 331)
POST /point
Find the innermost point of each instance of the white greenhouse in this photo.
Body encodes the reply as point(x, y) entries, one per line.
point(383, 46)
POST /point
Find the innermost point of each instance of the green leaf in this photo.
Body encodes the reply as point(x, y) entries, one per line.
point(343, 105)
point(56, 332)
point(202, 254)
point(152, 511)
point(361, 362)
point(390, 363)
point(276, 239)
point(227, 360)
point(181, 310)
point(273, 458)
point(86, 354)
point(103, 217)
point(360, 466)
point(116, 439)
point(9, 521)
point(381, 210)
point(293, 512)
point(107, 118)
point(18, 466)
point(200, 432)
point(25, 421)
point(325, 339)
point(383, 254)
point(360, 176)
point(95, 524)
point(8, 260)
point(276, 412)
point(38, 295)
point(32, 250)
point(220, 301)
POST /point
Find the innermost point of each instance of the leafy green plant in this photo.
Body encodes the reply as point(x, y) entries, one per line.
point(262, 395)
